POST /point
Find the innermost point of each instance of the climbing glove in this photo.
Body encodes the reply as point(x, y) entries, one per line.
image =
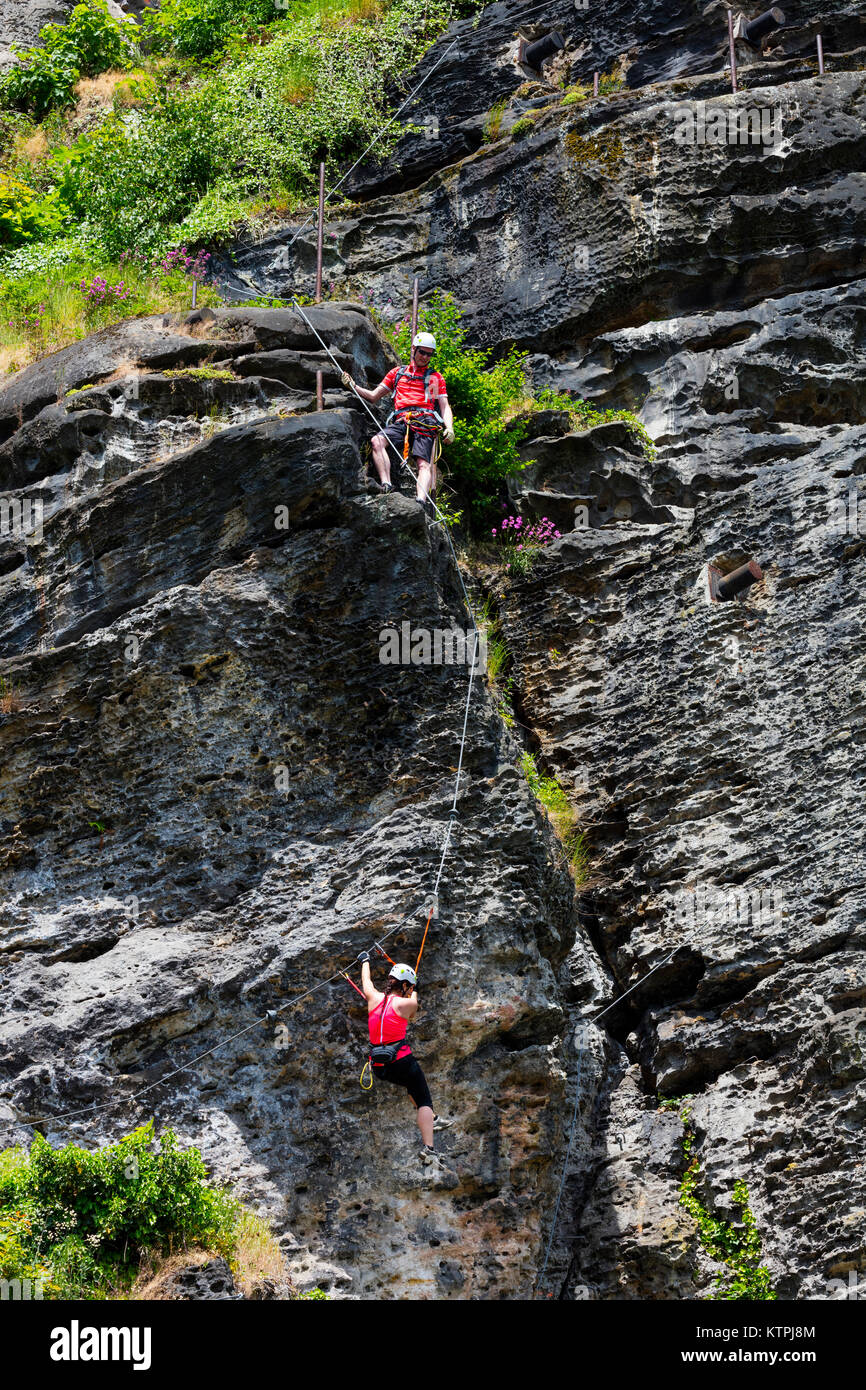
point(449, 434)
point(347, 381)
point(365, 955)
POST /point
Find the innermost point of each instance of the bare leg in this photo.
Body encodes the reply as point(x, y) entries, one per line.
point(425, 478)
point(382, 458)
point(425, 1124)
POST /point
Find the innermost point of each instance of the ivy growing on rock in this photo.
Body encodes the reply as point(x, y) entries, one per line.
point(737, 1246)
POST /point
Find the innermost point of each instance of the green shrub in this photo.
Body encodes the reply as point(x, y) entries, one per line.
point(255, 128)
point(197, 28)
point(41, 82)
point(25, 216)
point(91, 42)
point(485, 449)
point(215, 218)
point(86, 1215)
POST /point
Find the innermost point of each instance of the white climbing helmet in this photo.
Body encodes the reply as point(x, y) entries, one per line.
point(403, 972)
point(424, 340)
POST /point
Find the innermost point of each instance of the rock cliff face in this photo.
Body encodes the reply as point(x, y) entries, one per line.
point(215, 794)
point(203, 682)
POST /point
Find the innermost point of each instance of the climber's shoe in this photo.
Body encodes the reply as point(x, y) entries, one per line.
point(440, 1122)
point(436, 1171)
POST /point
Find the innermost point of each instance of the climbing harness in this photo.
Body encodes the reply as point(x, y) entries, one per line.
point(382, 1053)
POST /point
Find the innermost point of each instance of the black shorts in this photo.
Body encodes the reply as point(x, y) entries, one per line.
point(408, 1073)
point(420, 445)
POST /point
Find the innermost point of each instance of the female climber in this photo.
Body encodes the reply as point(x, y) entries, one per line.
point(388, 1017)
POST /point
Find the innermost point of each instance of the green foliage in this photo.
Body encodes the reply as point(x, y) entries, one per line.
point(43, 307)
point(494, 120)
point(315, 1293)
point(203, 373)
point(91, 42)
point(505, 702)
point(553, 798)
point(485, 449)
point(207, 151)
point(197, 28)
point(498, 661)
point(584, 416)
point(738, 1247)
point(86, 1215)
point(25, 216)
point(574, 94)
point(131, 188)
point(609, 82)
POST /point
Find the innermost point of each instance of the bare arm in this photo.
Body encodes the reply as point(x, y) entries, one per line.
point(407, 1008)
point(371, 993)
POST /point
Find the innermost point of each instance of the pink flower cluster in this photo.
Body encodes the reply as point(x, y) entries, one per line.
point(99, 292)
point(178, 259)
point(512, 532)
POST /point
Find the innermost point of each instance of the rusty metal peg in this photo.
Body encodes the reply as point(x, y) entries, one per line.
point(727, 586)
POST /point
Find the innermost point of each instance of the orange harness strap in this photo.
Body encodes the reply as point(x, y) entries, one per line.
point(424, 938)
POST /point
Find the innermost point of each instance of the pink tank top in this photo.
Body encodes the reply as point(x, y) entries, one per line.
point(388, 1027)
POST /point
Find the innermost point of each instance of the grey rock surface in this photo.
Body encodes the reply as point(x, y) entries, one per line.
point(207, 689)
point(215, 794)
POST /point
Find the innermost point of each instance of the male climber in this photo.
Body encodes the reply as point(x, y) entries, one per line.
point(391, 1059)
point(420, 395)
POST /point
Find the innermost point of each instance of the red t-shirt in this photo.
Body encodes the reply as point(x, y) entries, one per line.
point(410, 391)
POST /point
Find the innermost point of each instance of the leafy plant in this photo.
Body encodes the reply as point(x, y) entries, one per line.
point(609, 82)
point(197, 28)
point(522, 127)
point(26, 215)
point(504, 703)
point(83, 1217)
point(90, 42)
point(521, 545)
point(738, 1247)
